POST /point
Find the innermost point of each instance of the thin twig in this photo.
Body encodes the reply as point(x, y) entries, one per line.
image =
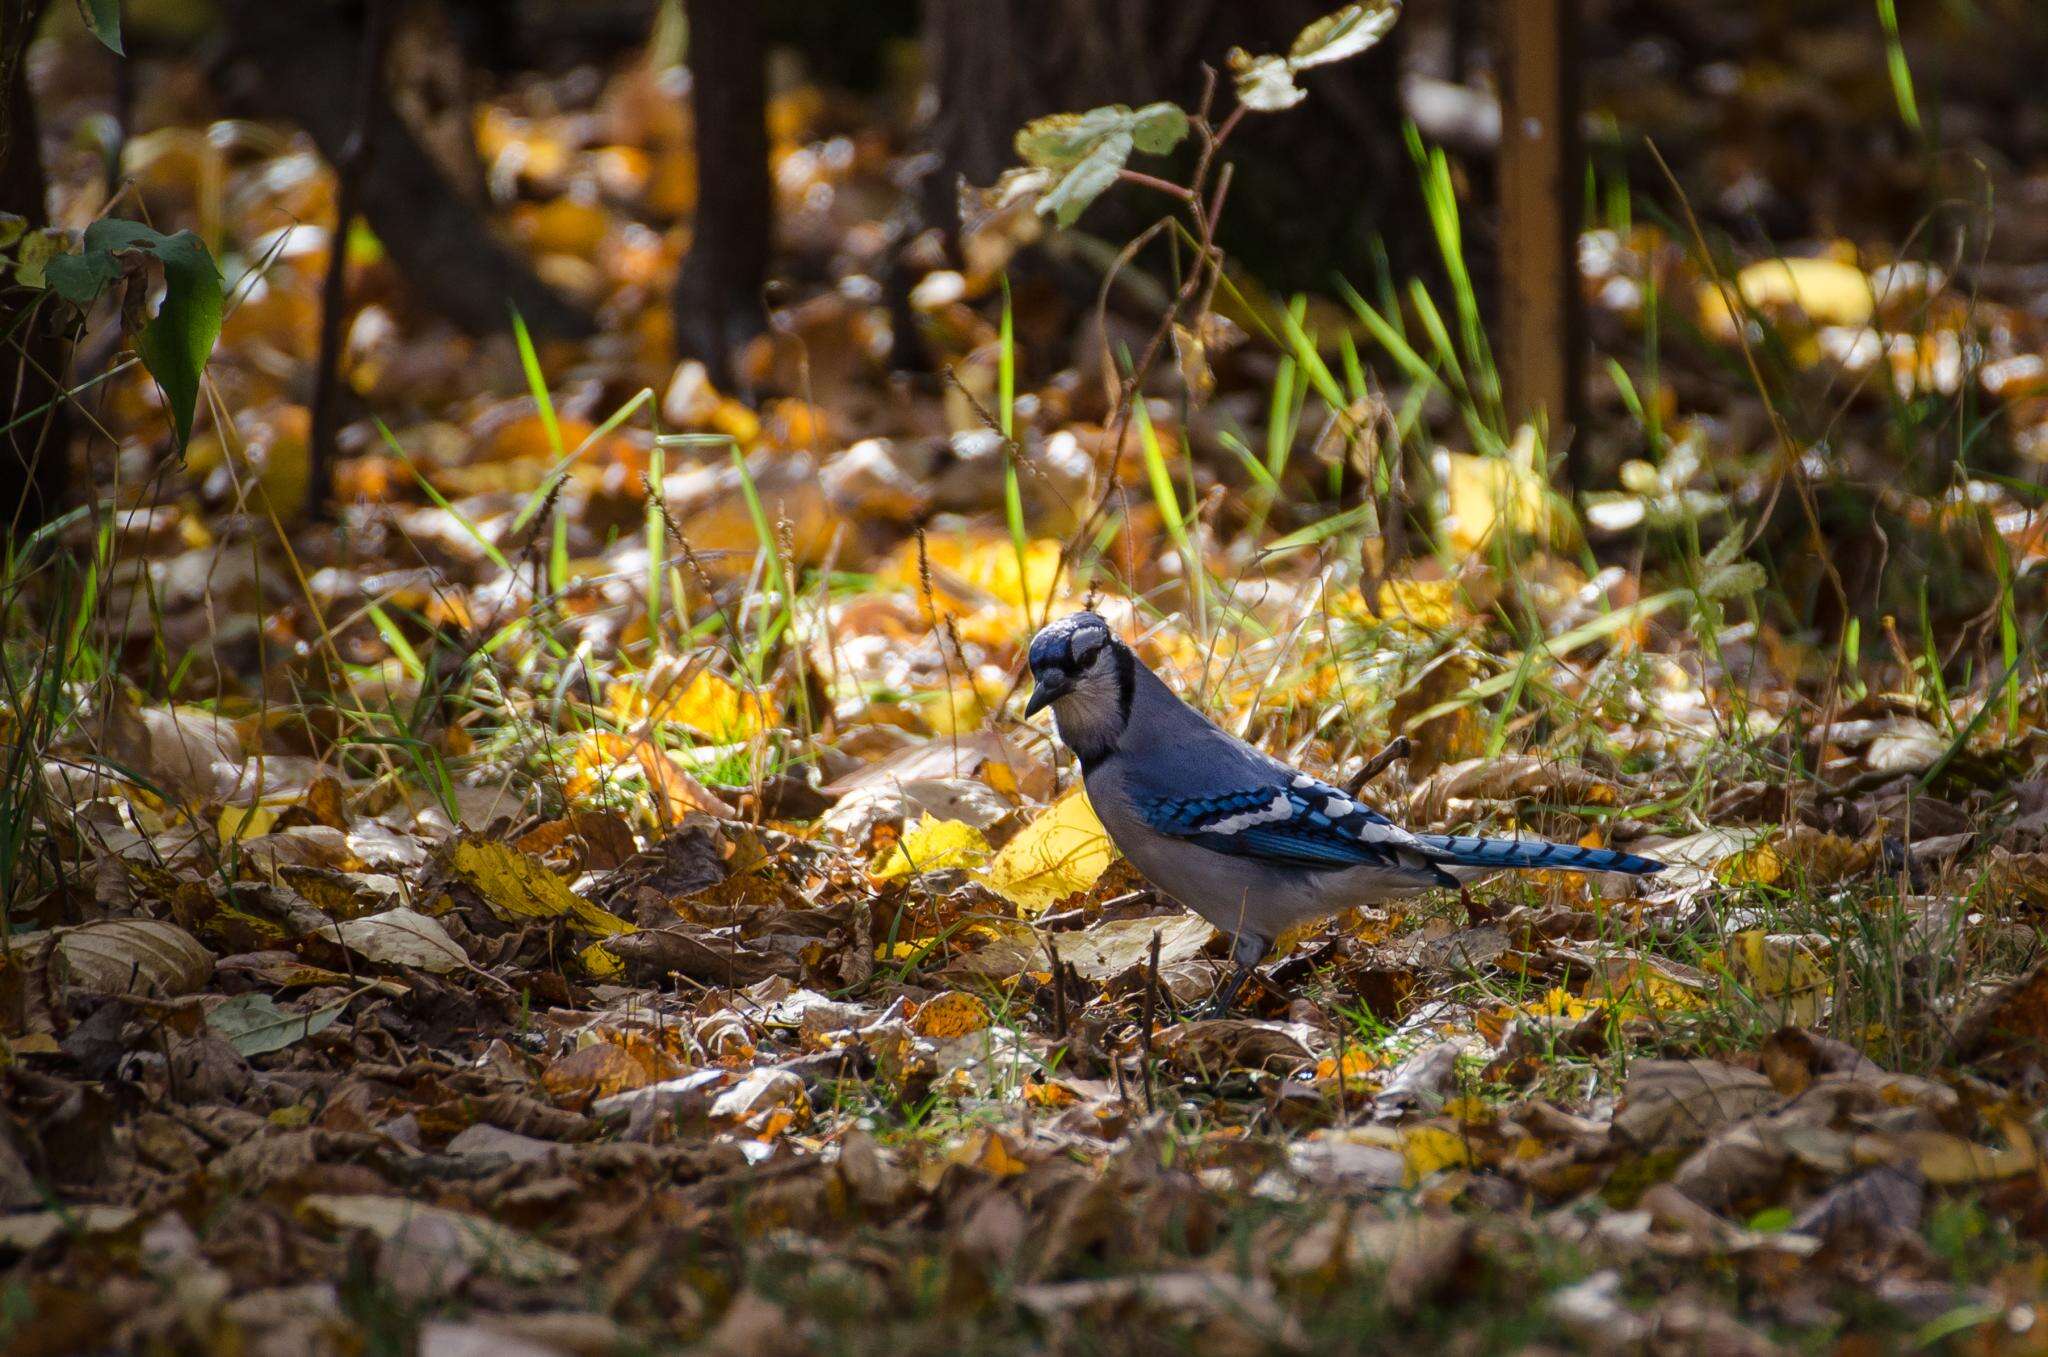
point(1148, 1014)
point(1377, 764)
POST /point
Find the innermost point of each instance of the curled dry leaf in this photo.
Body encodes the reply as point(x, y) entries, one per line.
point(125, 956)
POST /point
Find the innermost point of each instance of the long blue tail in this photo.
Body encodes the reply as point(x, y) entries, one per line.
point(1458, 850)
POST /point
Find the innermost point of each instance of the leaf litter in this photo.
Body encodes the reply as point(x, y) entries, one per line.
point(562, 932)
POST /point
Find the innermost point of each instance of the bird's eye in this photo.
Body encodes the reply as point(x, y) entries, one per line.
point(1085, 645)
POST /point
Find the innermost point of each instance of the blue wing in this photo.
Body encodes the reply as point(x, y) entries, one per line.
point(1294, 821)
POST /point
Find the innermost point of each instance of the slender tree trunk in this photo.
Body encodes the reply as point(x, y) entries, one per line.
point(32, 351)
point(299, 61)
point(718, 305)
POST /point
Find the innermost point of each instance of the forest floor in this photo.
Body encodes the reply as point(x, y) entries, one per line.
point(599, 895)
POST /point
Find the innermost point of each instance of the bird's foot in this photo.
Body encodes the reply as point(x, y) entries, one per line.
point(1219, 1006)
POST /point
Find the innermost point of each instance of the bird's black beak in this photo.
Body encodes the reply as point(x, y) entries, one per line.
point(1049, 690)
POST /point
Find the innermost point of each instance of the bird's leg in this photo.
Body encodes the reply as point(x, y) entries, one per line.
point(1219, 1007)
point(1246, 951)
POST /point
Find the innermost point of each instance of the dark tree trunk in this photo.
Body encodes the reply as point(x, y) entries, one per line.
point(299, 61)
point(718, 301)
point(32, 351)
point(1313, 184)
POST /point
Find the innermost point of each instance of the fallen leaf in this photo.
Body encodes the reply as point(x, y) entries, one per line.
point(955, 1013)
point(254, 1024)
point(1061, 853)
point(402, 937)
point(476, 1242)
point(1827, 291)
point(931, 845)
point(127, 956)
point(1668, 1103)
point(519, 886)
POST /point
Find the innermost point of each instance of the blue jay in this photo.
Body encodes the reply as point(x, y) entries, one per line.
point(1237, 836)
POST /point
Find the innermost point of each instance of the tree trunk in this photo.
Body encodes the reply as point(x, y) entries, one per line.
point(299, 62)
point(32, 351)
point(718, 305)
point(1313, 184)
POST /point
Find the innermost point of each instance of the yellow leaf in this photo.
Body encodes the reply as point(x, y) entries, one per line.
point(1509, 494)
point(708, 704)
point(1357, 1071)
point(1951, 1161)
point(1758, 866)
point(1428, 1149)
point(1559, 1003)
point(955, 1013)
point(1425, 605)
point(958, 710)
point(991, 1153)
point(976, 579)
point(931, 845)
point(518, 885)
point(247, 822)
point(1778, 964)
point(1062, 852)
point(600, 964)
point(1828, 291)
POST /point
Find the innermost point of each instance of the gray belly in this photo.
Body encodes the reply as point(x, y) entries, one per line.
point(1238, 894)
point(1243, 894)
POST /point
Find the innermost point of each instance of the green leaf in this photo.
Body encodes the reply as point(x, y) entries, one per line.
point(1736, 580)
point(1346, 33)
point(1058, 140)
point(103, 17)
point(253, 1023)
point(77, 278)
point(1086, 150)
point(176, 342)
point(1158, 128)
point(1066, 200)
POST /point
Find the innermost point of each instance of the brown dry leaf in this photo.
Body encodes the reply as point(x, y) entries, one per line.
point(1214, 1044)
point(2008, 1028)
point(402, 937)
point(1670, 1103)
point(444, 1237)
point(125, 956)
point(1246, 1314)
point(604, 1068)
point(1516, 777)
point(680, 792)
